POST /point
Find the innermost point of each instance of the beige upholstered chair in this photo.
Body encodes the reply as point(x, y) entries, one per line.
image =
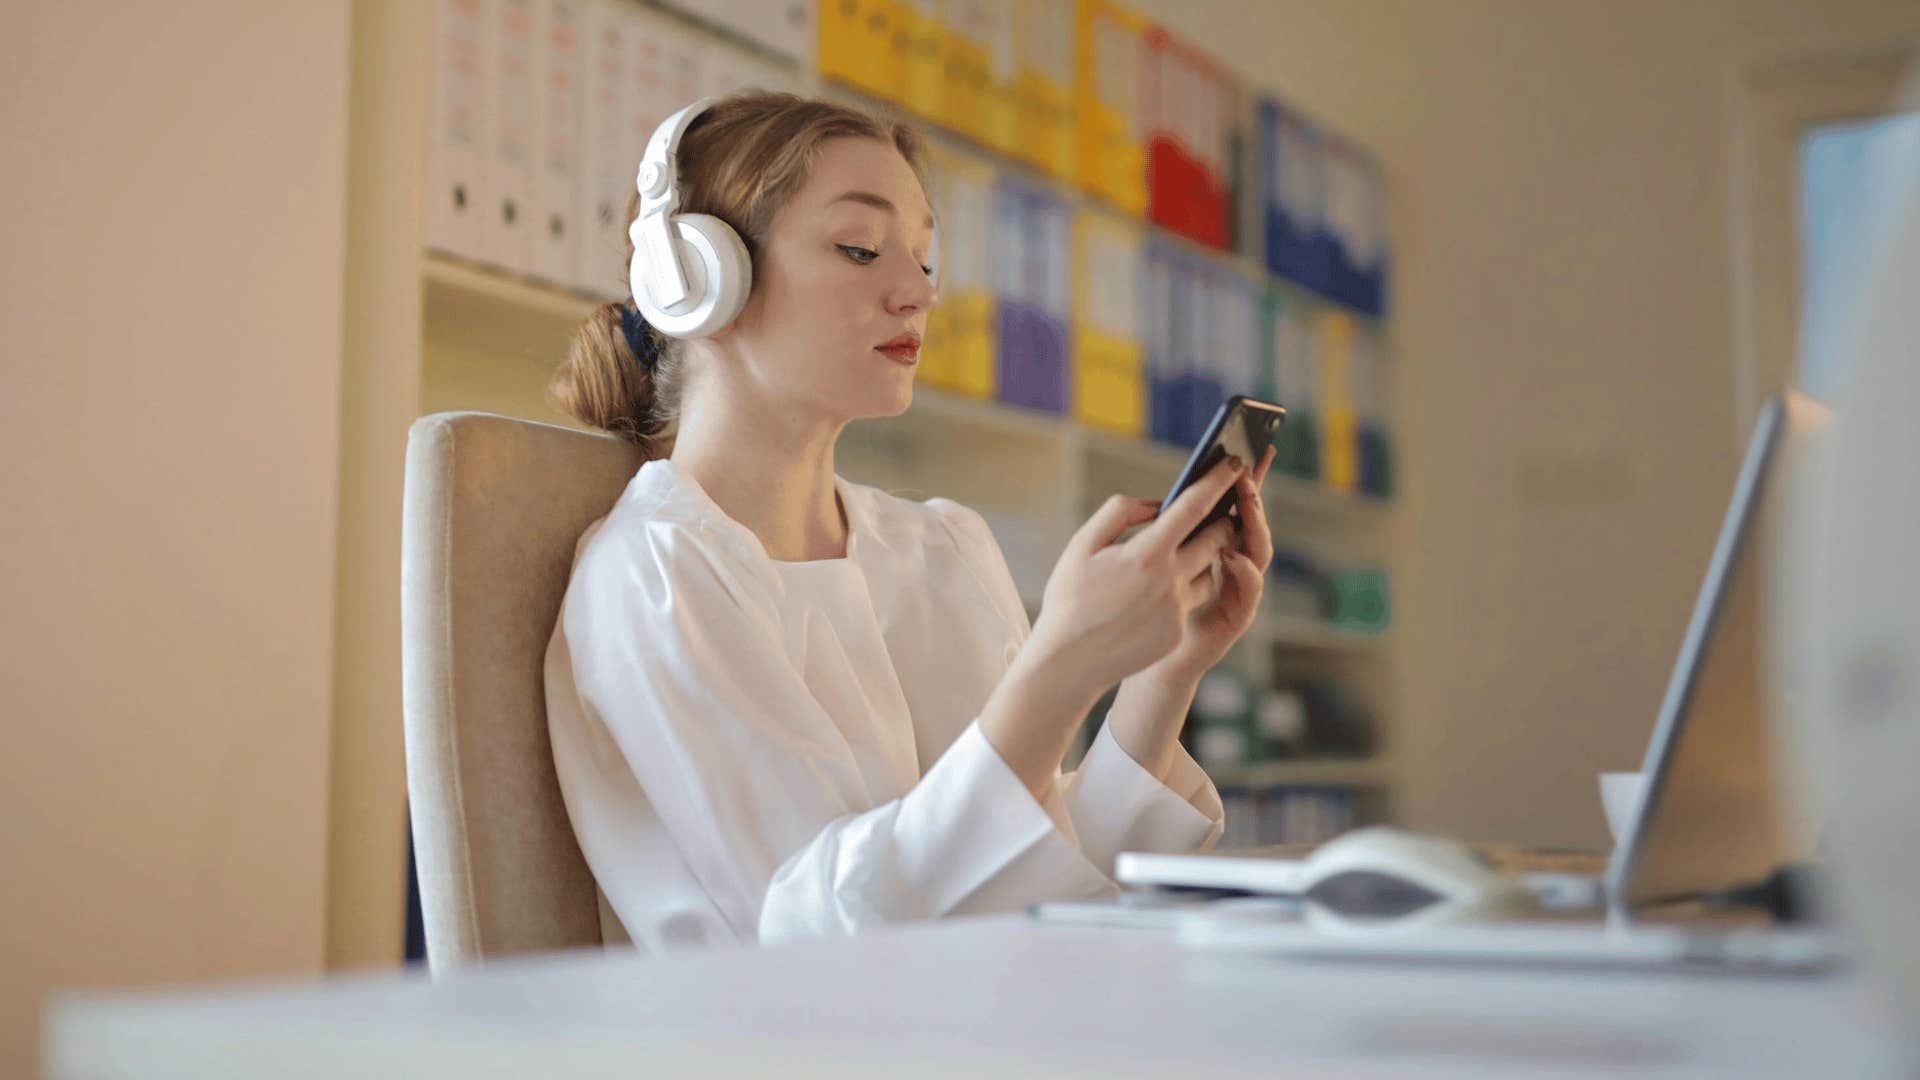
point(493, 508)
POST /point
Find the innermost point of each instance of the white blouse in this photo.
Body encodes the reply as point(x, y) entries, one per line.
point(754, 750)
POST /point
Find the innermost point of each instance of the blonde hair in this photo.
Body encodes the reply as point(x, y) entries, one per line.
point(740, 160)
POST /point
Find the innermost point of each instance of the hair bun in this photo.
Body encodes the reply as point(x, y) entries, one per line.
point(634, 325)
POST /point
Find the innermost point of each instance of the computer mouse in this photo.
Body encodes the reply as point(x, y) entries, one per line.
point(1381, 877)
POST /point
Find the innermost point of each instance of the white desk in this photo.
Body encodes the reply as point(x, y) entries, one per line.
point(973, 997)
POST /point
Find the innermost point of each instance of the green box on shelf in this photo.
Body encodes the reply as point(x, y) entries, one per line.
point(1357, 600)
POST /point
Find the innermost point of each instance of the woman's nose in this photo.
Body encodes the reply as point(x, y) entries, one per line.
point(915, 293)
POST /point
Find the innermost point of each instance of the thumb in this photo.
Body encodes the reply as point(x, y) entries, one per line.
point(1115, 516)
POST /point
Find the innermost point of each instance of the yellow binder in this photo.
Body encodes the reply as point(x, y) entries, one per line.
point(863, 43)
point(960, 352)
point(1109, 354)
point(1339, 427)
point(1112, 151)
point(1042, 90)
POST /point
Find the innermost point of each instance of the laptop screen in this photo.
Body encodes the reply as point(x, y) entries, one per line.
point(1710, 815)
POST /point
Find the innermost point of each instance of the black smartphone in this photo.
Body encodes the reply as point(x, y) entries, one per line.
point(1244, 426)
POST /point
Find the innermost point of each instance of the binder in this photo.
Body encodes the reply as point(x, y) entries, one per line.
point(1012, 299)
point(1157, 300)
point(1343, 210)
point(1193, 380)
point(963, 74)
point(1240, 325)
point(1187, 344)
point(506, 231)
point(975, 314)
point(1111, 158)
point(1210, 342)
point(1043, 84)
point(1339, 446)
point(1186, 98)
point(1292, 162)
point(1050, 222)
point(967, 89)
point(1290, 336)
point(1375, 448)
point(785, 27)
point(609, 161)
point(962, 331)
point(724, 68)
point(999, 123)
point(560, 64)
point(686, 73)
point(1370, 244)
point(1032, 250)
point(1108, 378)
point(863, 43)
point(924, 82)
point(457, 137)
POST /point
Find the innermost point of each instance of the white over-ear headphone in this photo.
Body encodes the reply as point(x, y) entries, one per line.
point(690, 272)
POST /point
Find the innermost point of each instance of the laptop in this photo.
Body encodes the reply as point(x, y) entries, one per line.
point(1710, 816)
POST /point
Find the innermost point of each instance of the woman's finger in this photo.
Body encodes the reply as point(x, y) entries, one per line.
point(1204, 550)
point(1190, 508)
point(1115, 516)
point(1256, 536)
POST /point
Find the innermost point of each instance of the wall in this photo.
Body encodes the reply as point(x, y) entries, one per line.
point(1564, 322)
point(172, 375)
point(169, 446)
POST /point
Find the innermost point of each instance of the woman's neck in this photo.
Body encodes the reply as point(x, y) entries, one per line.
point(772, 473)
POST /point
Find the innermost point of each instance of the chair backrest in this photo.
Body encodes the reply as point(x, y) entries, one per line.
point(493, 508)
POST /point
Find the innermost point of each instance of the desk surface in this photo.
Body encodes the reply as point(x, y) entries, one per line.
point(967, 996)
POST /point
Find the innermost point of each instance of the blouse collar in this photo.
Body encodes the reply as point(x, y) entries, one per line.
point(675, 480)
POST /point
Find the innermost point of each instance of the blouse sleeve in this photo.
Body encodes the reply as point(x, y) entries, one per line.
point(685, 666)
point(1116, 805)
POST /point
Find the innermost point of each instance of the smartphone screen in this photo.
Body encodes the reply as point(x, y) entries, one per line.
point(1243, 426)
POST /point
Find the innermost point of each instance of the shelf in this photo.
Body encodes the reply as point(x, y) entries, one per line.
point(1080, 199)
point(1309, 633)
point(1332, 772)
point(482, 308)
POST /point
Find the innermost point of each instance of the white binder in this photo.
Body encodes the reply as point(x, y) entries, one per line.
point(457, 130)
point(681, 69)
point(784, 26)
point(727, 68)
point(560, 65)
point(506, 234)
point(607, 170)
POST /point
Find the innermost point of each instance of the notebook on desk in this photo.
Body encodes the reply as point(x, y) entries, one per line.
point(1709, 817)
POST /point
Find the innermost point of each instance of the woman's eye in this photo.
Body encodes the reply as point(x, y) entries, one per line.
point(858, 254)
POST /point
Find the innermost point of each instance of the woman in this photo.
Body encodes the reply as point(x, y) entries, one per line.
point(783, 704)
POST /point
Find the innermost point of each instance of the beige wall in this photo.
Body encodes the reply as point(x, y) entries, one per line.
point(1564, 322)
point(171, 293)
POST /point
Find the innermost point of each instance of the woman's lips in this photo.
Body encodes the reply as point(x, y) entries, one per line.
point(901, 354)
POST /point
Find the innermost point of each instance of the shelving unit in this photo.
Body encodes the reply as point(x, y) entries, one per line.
point(1337, 772)
point(429, 332)
point(1035, 476)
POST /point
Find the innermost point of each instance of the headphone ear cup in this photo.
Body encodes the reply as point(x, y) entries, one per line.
point(719, 275)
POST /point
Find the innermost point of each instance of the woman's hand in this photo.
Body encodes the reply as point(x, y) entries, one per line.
point(1113, 607)
point(1233, 588)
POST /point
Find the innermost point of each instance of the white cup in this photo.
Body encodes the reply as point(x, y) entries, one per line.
point(1620, 798)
